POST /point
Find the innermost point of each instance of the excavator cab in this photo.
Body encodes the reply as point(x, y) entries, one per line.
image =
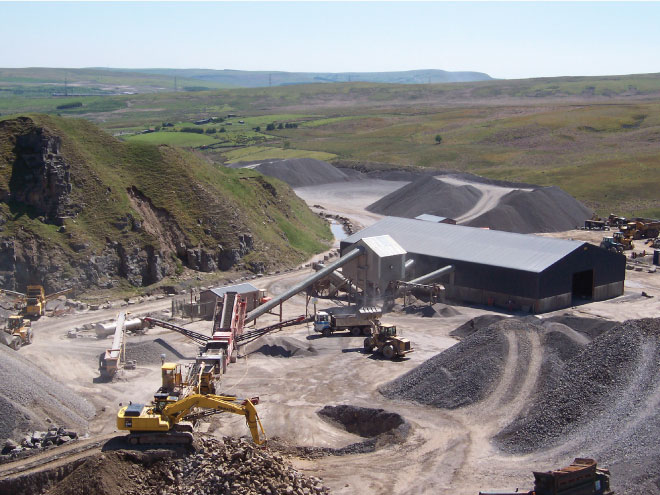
point(172, 384)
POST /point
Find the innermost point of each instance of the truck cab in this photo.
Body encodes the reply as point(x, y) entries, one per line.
point(322, 322)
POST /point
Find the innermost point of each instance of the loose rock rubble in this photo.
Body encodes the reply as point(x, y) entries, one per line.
point(39, 439)
point(234, 466)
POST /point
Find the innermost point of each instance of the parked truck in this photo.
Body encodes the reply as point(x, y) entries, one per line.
point(582, 477)
point(357, 321)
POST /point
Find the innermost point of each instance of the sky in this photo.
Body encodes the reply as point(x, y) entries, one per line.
point(504, 40)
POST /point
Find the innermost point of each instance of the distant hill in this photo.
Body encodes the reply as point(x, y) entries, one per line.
point(78, 207)
point(254, 79)
point(46, 81)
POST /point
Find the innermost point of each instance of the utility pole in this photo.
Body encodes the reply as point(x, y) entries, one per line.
point(65, 85)
point(270, 80)
point(175, 84)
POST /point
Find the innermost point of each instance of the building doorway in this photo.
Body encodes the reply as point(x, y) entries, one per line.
point(583, 285)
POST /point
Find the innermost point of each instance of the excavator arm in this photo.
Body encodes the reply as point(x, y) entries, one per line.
point(179, 410)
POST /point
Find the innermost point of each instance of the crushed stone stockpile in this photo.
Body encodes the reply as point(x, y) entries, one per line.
point(541, 209)
point(596, 393)
point(28, 397)
point(460, 376)
point(298, 172)
point(604, 403)
point(234, 467)
point(474, 325)
point(546, 209)
point(279, 346)
point(427, 195)
point(145, 353)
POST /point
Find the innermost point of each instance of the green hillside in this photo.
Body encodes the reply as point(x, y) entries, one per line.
point(596, 137)
point(79, 206)
point(45, 81)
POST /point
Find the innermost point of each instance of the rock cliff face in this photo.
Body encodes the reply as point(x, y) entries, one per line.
point(40, 176)
point(80, 208)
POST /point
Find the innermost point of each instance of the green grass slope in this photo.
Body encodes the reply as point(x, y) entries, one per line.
point(136, 199)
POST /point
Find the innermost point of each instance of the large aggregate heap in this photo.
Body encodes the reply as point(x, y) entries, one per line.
point(235, 467)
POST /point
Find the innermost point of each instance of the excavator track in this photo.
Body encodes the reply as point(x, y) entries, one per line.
point(164, 438)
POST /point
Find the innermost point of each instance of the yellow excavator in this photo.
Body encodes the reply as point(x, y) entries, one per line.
point(169, 420)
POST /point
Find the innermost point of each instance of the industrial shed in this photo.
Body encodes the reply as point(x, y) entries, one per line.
point(517, 271)
point(208, 298)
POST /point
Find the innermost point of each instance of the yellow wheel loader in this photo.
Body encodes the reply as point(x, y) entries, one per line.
point(385, 341)
point(20, 330)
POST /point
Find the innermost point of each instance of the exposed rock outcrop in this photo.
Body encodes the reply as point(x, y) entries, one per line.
point(40, 176)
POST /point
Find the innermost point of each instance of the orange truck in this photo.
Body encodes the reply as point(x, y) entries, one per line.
point(582, 477)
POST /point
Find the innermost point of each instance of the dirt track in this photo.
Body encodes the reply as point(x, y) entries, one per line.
point(491, 196)
point(446, 450)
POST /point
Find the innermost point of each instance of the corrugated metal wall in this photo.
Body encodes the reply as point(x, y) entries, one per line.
point(608, 268)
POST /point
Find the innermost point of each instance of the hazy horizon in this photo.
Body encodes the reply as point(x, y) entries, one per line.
point(504, 40)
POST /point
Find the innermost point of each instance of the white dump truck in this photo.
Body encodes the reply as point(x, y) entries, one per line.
point(357, 321)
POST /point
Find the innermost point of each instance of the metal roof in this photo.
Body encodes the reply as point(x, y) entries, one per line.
point(240, 288)
point(383, 245)
point(524, 252)
point(430, 218)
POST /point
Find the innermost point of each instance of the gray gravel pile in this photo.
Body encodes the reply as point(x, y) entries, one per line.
point(28, 397)
point(279, 346)
point(546, 209)
point(298, 172)
point(475, 324)
point(145, 353)
point(587, 387)
point(603, 404)
point(591, 327)
point(462, 375)
point(427, 195)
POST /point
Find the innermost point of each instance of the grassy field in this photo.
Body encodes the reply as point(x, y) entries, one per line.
point(598, 138)
point(181, 139)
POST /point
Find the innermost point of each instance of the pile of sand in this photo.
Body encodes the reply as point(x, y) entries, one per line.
point(298, 172)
